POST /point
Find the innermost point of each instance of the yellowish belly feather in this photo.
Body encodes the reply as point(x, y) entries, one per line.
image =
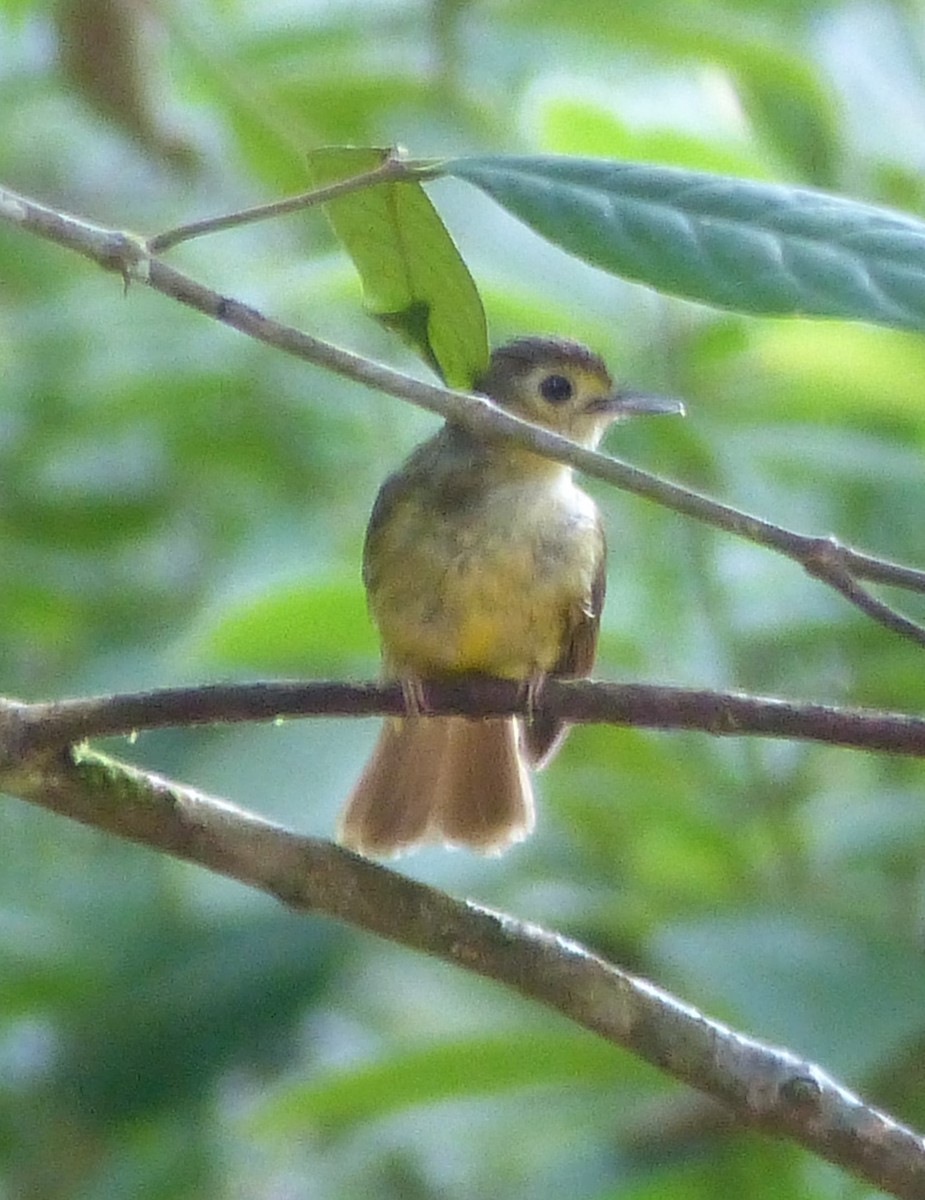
point(490, 595)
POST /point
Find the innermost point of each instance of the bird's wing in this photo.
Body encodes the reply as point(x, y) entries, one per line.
point(442, 476)
point(579, 644)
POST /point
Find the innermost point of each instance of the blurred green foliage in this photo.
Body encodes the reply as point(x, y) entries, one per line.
point(177, 504)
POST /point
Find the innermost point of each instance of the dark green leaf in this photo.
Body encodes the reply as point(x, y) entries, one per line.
point(733, 243)
point(414, 278)
point(200, 1002)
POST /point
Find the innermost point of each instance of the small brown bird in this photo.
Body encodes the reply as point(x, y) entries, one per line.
point(482, 558)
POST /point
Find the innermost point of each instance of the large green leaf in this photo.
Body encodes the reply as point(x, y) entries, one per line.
point(733, 243)
point(414, 278)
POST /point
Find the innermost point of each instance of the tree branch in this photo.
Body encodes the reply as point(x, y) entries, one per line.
point(31, 728)
point(128, 255)
point(767, 1088)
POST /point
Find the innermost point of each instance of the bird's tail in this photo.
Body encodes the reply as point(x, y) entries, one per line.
point(441, 779)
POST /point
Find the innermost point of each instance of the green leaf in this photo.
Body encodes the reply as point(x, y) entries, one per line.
point(296, 626)
point(828, 372)
point(732, 243)
point(340, 106)
point(196, 1001)
point(445, 1071)
point(792, 112)
point(414, 279)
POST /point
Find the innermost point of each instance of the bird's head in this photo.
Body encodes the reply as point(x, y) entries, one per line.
point(564, 386)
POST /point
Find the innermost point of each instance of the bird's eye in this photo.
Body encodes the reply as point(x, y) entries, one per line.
point(556, 389)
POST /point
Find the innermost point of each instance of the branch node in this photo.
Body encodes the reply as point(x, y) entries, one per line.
point(801, 1093)
point(825, 559)
point(13, 738)
point(11, 208)
point(128, 256)
point(724, 722)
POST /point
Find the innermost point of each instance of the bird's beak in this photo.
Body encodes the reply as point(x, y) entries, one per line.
point(624, 401)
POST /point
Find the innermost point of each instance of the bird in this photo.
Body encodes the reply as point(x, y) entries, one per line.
point(483, 558)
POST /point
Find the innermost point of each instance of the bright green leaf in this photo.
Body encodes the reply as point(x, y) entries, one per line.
point(341, 106)
point(414, 279)
point(300, 625)
point(732, 243)
point(827, 372)
point(445, 1071)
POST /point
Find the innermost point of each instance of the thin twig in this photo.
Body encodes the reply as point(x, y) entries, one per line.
point(390, 170)
point(830, 569)
point(767, 1088)
point(128, 255)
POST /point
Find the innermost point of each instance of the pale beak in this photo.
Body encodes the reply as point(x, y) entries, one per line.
point(630, 402)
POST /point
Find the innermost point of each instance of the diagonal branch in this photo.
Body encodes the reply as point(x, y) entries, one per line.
point(129, 255)
point(765, 1087)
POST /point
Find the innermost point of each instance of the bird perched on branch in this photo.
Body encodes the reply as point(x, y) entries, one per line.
point(484, 558)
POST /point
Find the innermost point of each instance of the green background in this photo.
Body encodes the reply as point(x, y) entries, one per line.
point(179, 504)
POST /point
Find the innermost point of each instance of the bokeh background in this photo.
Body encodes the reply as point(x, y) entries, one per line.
point(178, 504)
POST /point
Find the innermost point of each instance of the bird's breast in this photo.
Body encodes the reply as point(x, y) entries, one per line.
point(484, 586)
